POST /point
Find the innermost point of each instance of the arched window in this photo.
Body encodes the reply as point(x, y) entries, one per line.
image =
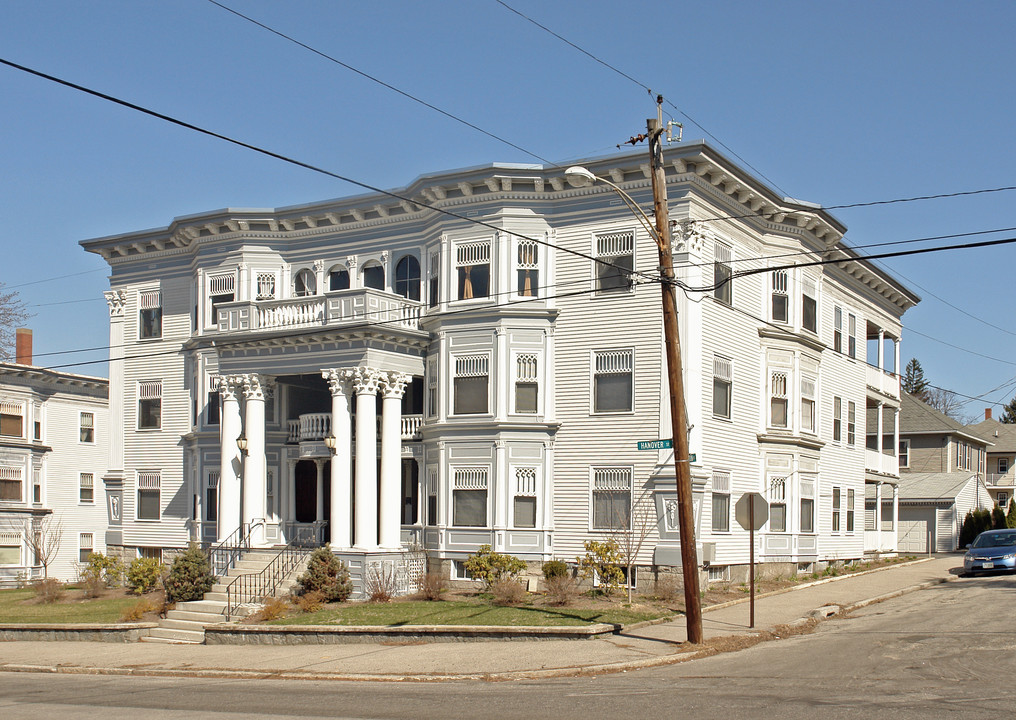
point(304, 283)
point(407, 278)
point(338, 278)
point(374, 276)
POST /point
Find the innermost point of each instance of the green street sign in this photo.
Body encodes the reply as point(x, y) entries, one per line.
point(656, 444)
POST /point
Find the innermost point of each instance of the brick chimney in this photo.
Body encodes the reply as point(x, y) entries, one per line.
point(23, 346)
point(987, 413)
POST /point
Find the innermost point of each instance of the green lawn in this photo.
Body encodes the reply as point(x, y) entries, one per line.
point(14, 609)
point(419, 612)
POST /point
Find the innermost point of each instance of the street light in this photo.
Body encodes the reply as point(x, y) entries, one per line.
point(679, 423)
point(330, 443)
point(241, 444)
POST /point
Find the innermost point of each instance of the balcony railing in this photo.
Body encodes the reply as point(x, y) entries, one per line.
point(883, 381)
point(336, 308)
point(318, 426)
point(881, 463)
point(1001, 479)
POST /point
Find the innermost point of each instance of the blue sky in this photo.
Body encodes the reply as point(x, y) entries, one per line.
point(832, 102)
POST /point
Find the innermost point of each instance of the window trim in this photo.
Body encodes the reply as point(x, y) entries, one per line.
point(469, 254)
point(607, 475)
point(153, 480)
point(149, 301)
point(527, 372)
point(527, 268)
point(903, 455)
point(617, 354)
point(776, 494)
point(82, 539)
point(468, 366)
point(527, 481)
point(611, 283)
point(148, 388)
point(723, 258)
point(86, 481)
point(13, 474)
point(723, 373)
point(774, 389)
point(809, 384)
point(82, 427)
point(472, 479)
point(779, 287)
point(720, 489)
point(12, 408)
point(837, 434)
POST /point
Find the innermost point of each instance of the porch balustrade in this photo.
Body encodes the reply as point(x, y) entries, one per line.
point(318, 426)
point(883, 381)
point(1001, 480)
point(881, 463)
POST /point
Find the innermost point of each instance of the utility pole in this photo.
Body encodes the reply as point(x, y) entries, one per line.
point(686, 516)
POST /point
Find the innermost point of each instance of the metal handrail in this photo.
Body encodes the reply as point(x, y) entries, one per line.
point(223, 557)
point(255, 587)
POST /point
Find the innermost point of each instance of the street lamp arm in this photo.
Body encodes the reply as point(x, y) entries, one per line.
point(578, 171)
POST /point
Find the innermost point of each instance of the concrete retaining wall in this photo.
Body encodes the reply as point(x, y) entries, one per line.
point(332, 635)
point(117, 633)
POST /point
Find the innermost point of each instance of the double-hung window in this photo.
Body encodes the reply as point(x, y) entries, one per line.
point(613, 381)
point(10, 483)
point(86, 488)
point(837, 509)
point(149, 496)
point(851, 423)
point(221, 289)
point(212, 497)
point(778, 400)
point(852, 335)
point(721, 501)
point(524, 510)
point(905, 456)
point(10, 548)
point(722, 274)
point(150, 405)
point(213, 407)
point(807, 504)
point(837, 419)
point(780, 296)
point(778, 504)
point(1003, 463)
point(434, 280)
point(471, 384)
point(472, 265)
point(809, 305)
point(838, 329)
point(12, 419)
point(850, 510)
point(722, 386)
point(85, 545)
point(615, 260)
point(611, 498)
point(528, 269)
point(86, 427)
point(469, 497)
point(526, 383)
point(149, 314)
point(808, 404)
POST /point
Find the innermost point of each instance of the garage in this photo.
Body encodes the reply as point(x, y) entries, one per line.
point(917, 524)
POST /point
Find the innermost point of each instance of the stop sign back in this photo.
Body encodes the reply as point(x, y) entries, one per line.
point(751, 511)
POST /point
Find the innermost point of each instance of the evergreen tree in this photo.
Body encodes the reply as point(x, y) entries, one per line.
point(913, 379)
point(1010, 517)
point(190, 576)
point(1009, 412)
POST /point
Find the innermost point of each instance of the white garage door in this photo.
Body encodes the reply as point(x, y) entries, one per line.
point(915, 526)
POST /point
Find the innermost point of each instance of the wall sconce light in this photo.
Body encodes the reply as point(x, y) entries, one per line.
point(241, 443)
point(330, 442)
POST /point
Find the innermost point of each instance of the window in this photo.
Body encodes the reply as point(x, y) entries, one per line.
point(721, 501)
point(615, 255)
point(212, 497)
point(221, 289)
point(780, 297)
point(613, 381)
point(722, 275)
point(838, 329)
point(338, 278)
point(526, 384)
point(85, 545)
point(150, 314)
point(265, 284)
point(837, 419)
point(852, 336)
point(807, 505)
point(86, 427)
point(525, 498)
point(472, 265)
point(809, 305)
point(722, 386)
point(407, 278)
point(778, 504)
point(469, 497)
point(86, 488)
point(151, 553)
point(1003, 465)
point(12, 419)
point(836, 509)
point(433, 282)
point(149, 496)
point(304, 283)
point(432, 387)
point(528, 269)
point(37, 485)
point(10, 548)
point(850, 510)
point(150, 405)
point(851, 423)
point(778, 408)
point(10, 483)
point(213, 410)
point(611, 498)
point(37, 425)
point(373, 276)
point(808, 404)
point(905, 454)
point(470, 384)
point(1002, 500)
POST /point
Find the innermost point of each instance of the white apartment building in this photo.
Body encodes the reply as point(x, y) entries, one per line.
point(473, 360)
point(54, 430)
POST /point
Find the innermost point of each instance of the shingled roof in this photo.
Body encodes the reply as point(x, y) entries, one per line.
point(1002, 435)
point(920, 418)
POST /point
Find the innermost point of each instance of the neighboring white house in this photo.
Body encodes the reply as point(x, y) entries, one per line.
point(54, 432)
point(488, 347)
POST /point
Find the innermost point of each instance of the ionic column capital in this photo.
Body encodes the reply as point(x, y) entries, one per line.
point(366, 380)
point(393, 384)
point(339, 380)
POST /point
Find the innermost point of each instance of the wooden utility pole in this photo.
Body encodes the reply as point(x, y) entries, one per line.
point(686, 515)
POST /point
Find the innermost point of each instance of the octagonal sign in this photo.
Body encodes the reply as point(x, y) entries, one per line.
point(751, 511)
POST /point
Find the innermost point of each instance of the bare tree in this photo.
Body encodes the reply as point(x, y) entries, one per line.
point(13, 314)
point(629, 532)
point(44, 539)
point(946, 402)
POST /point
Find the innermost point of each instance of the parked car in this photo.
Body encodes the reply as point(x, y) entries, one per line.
point(991, 551)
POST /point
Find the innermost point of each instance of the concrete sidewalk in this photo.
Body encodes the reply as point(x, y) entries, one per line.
point(635, 648)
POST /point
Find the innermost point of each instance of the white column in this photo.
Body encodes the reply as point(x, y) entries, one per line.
point(879, 442)
point(393, 386)
point(319, 511)
point(365, 383)
point(896, 516)
point(896, 438)
point(254, 463)
point(290, 492)
point(878, 515)
point(896, 353)
point(342, 458)
point(230, 463)
point(881, 349)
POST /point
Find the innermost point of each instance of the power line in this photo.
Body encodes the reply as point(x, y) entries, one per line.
point(957, 347)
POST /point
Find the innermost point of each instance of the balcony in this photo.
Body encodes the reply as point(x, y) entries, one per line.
point(315, 427)
point(1007, 479)
point(336, 308)
point(881, 463)
point(886, 383)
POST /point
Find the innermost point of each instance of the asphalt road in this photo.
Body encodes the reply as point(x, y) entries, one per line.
point(947, 651)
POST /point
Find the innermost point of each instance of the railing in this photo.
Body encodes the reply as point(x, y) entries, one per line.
point(881, 463)
point(1000, 479)
point(255, 587)
point(222, 557)
point(318, 426)
point(884, 381)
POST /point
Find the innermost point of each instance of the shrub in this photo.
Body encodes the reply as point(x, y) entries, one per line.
point(555, 569)
point(490, 567)
point(327, 574)
point(669, 588)
point(137, 611)
point(104, 568)
point(602, 562)
point(143, 575)
point(309, 601)
point(431, 585)
point(273, 609)
point(561, 590)
point(968, 530)
point(49, 590)
point(508, 593)
point(190, 576)
point(997, 518)
point(1010, 517)
point(381, 584)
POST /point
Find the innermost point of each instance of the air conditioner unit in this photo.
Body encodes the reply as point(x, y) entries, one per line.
point(708, 554)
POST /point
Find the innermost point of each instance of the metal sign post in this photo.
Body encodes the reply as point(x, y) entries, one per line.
point(751, 512)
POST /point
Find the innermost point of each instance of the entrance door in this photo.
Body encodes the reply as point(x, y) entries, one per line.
point(305, 477)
